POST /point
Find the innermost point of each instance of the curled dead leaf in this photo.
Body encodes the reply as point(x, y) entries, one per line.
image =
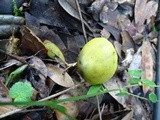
point(59, 76)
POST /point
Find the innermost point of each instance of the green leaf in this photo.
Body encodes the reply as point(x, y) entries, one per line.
point(123, 93)
point(14, 76)
point(16, 11)
point(153, 97)
point(135, 73)
point(134, 80)
point(148, 83)
point(21, 91)
point(155, 29)
point(94, 89)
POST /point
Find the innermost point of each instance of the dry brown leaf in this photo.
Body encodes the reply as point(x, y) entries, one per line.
point(4, 97)
point(70, 7)
point(144, 10)
point(139, 111)
point(147, 63)
point(12, 46)
point(71, 108)
point(39, 65)
point(31, 42)
point(127, 41)
point(59, 76)
point(118, 48)
point(114, 83)
point(128, 116)
point(136, 62)
point(105, 33)
point(37, 75)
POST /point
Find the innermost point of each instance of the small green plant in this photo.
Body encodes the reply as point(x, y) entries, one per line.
point(134, 81)
point(15, 74)
point(93, 91)
point(21, 91)
point(16, 11)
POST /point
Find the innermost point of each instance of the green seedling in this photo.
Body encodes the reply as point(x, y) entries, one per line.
point(21, 91)
point(134, 81)
point(16, 11)
point(14, 76)
point(94, 91)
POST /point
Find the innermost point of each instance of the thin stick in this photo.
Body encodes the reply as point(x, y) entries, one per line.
point(99, 110)
point(80, 15)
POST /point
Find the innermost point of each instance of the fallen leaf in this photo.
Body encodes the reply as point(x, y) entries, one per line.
point(111, 29)
point(105, 33)
point(53, 50)
point(70, 7)
point(136, 62)
point(118, 48)
point(4, 97)
point(88, 106)
point(71, 107)
point(128, 116)
point(144, 11)
point(12, 46)
point(127, 41)
point(37, 76)
point(139, 112)
point(147, 63)
point(59, 76)
point(114, 83)
point(96, 8)
point(31, 42)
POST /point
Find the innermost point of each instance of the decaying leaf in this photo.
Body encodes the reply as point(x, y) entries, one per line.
point(71, 107)
point(147, 63)
point(4, 97)
point(70, 7)
point(128, 57)
point(136, 62)
point(88, 106)
point(127, 42)
point(105, 33)
point(118, 48)
point(96, 7)
point(139, 112)
point(31, 42)
point(114, 83)
point(37, 76)
point(111, 29)
point(12, 46)
point(59, 76)
point(144, 10)
point(10, 63)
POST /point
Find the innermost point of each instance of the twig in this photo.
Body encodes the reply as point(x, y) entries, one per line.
point(99, 110)
point(80, 15)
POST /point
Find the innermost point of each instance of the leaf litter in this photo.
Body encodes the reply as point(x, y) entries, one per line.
point(128, 24)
